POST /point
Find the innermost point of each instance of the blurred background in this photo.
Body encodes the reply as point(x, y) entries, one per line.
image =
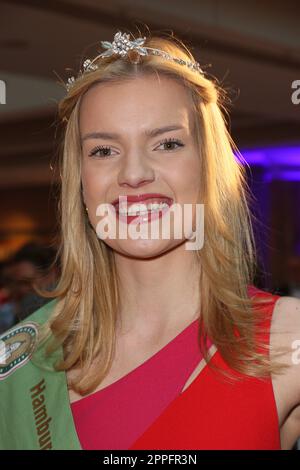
point(252, 47)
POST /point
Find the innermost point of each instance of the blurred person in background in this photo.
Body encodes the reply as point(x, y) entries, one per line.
point(7, 305)
point(32, 265)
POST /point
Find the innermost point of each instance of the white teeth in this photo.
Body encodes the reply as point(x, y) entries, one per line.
point(141, 209)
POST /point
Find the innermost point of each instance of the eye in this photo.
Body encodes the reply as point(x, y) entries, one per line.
point(100, 148)
point(170, 142)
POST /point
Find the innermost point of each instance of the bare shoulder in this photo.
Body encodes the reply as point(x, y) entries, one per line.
point(285, 329)
point(287, 313)
point(285, 335)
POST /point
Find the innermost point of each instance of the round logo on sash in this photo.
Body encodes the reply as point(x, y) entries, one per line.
point(16, 347)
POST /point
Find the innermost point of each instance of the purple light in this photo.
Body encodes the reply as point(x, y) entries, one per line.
point(286, 175)
point(253, 157)
point(279, 163)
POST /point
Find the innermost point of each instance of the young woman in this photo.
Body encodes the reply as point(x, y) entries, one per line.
point(152, 342)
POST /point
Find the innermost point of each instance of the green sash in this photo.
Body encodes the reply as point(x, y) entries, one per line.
point(35, 411)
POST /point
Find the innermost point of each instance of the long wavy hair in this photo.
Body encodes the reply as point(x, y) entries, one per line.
point(84, 316)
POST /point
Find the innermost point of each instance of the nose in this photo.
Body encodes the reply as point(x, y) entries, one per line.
point(135, 171)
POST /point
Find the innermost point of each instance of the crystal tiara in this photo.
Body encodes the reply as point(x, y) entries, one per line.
point(123, 46)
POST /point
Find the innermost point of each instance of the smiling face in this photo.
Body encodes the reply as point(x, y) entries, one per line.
point(135, 161)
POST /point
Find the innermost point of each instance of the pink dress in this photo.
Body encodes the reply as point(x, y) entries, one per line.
point(114, 417)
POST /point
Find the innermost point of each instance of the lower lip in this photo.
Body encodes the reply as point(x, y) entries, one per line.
point(142, 219)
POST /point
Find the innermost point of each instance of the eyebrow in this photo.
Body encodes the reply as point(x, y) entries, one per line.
point(150, 133)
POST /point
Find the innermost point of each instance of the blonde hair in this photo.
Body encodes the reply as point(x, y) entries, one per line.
point(84, 318)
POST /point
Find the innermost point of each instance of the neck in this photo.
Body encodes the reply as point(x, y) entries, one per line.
point(158, 294)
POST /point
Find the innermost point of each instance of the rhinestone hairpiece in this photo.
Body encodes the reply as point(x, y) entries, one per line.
point(123, 46)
